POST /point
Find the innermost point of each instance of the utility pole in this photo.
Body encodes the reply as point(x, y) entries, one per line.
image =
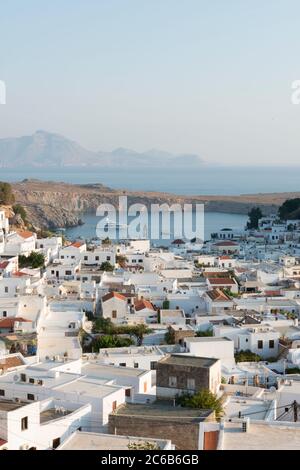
point(295, 410)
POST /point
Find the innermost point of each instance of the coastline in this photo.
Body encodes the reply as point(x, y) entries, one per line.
point(53, 204)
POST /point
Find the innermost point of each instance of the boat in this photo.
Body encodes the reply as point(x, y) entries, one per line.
point(110, 224)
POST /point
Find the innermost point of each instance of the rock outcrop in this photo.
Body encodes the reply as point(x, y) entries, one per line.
point(51, 204)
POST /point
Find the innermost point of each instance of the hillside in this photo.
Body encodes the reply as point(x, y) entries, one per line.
point(47, 150)
point(50, 204)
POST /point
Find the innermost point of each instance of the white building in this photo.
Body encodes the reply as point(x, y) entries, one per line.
point(217, 348)
point(39, 425)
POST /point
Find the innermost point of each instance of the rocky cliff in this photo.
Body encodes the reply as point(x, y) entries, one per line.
point(50, 204)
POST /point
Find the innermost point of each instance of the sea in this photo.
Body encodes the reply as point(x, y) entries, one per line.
point(204, 180)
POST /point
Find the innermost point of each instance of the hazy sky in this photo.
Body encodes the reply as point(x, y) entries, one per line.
point(211, 77)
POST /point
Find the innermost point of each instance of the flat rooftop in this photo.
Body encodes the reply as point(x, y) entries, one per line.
point(98, 369)
point(172, 313)
point(257, 408)
point(130, 351)
point(182, 328)
point(261, 437)
point(10, 405)
point(207, 339)
point(161, 410)
point(195, 361)
point(53, 413)
point(94, 441)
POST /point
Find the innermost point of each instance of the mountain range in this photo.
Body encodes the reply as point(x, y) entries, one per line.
point(44, 149)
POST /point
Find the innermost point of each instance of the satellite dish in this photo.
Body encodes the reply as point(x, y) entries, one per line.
point(16, 378)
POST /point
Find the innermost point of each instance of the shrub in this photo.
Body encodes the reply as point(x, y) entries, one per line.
point(208, 332)
point(205, 400)
point(34, 260)
point(6, 194)
point(18, 209)
point(111, 341)
point(106, 266)
point(247, 356)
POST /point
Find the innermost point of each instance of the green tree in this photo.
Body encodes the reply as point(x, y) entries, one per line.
point(6, 194)
point(204, 333)
point(34, 260)
point(103, 325)
point(18, 209)
point(254, 216)
point(111, 341)
point(247, 356)
point(106, 266)
point(205, 400)
point(290, 209)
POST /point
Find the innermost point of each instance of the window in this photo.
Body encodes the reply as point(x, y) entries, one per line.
point(4, 314)
point(6, 289)
point(31, 381)
point(114, 405)
point(108, 258)
point(145, 387)
point(30, 396)
point(86, 258)
point(172, 381)
point(153, 365)
point(122, 364)
point(136, 365)
point(56, 443)
point(68, 273)
point(24, 423)
point(271, 344)
point(191, 384)
point(52, 272)
point(2, 393)
point(97, 258)
point(62, 257)
point(23, 377)
point(114, 314)
point(128, 392)
point(260, 344)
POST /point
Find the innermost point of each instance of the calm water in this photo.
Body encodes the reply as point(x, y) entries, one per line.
point(213, 221)
point(206, 180)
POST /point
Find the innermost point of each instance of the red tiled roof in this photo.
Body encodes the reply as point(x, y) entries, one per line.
point(112, 295)
point(19, 274)
point(141, 304)
point(226, 243)
point(224, 257)
point(10, 321)
point(77, 244)
point(10, 362)
point(217, 295)
point(221, 280)
point(273, 293)
point(4, 264)
point(2, 442)
point(25, 234)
